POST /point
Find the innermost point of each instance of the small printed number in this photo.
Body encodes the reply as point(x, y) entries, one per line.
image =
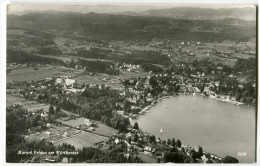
point(241, 154)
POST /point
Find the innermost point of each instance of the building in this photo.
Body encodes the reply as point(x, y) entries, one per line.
point(48, 79)
point(77, 86)
point(44, 114)
point(91, 129)
point(59, 80)
point(48, 132)
point(148, 149)
point(65, 134)
point(88, 122)
point(117, 141)
point(128, 135)
point(69, 82)
point(204, 159)
point(48, 125)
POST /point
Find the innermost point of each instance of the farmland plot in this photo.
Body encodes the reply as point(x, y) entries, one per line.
point(29, 74)
point(104, 130)
point(73, 122)
point(83, 140)
point(11, 100)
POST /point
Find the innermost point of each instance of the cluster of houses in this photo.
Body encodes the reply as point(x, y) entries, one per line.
point(88, 124)
point(133, 138)
point(70, 46)
point(134, 92)
point(128, 67)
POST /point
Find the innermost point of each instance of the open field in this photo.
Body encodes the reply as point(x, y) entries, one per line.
point(38, 106)
point(11, 100)
point(109, 80)
point(128, 75)
point(70, 113)
point(224, 61)
point(202, 51)
point(29, 74)
point(104, 130)
point(61, 41)
point(29, 105)
point(112, 81)
point(242, 55)
point(87, 79)
point(215, 59)
point(42, 134)
point(15, 31)
point(32, 106)
point(63, 58)
point(55, 133)
point(84, 139)
point(99, 129)
point(68, 58)
point(13, 89)
point(147, 158)
point(73, 122)
point(138, 48)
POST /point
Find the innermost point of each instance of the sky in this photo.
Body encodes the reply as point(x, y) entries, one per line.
point(20, 8)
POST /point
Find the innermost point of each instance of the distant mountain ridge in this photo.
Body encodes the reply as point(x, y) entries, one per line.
point(26, 12)
point(192, 13)
point(126, 27)
point(198, 13)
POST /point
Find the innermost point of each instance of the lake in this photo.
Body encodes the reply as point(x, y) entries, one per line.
point(221, 128)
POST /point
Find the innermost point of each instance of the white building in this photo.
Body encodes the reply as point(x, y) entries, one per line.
point(59, 80)
point(88, 122)
point(69, 81)
point(117, 141)
point(44, 114)
point(48, 125)
point(148, 149)
point(65, 134)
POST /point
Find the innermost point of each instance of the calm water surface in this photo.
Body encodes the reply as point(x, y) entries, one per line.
point(220, 128)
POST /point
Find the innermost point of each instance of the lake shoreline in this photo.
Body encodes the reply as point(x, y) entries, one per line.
point(159, 101)
point(223, 98)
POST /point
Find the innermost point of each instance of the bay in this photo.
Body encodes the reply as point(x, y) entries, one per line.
point(221, 128)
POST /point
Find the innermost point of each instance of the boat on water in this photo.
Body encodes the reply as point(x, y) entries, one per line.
point(161, 131)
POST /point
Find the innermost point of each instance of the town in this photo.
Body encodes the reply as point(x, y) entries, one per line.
point(74, 94)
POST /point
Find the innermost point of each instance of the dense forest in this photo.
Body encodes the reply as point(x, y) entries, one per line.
point(19, 120)
point(246, 67)
point(49, 51)
point(99, 67)
point(93, 103)
point(94, 53)
point(119, 27)
point(87, 154)
point(16, 56)
point(21, 57)
point(150, 67)
point(140, 57)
